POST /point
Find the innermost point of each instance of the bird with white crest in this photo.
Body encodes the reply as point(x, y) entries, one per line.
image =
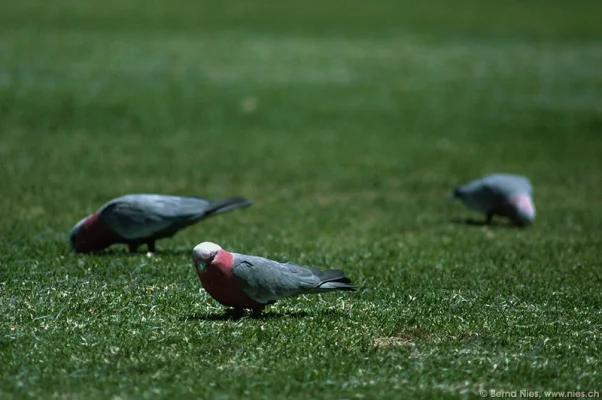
point(250, 282)
point(505, 195)
point(137, 219)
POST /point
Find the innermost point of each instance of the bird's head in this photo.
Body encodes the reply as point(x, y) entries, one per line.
point(91, 234)
point(76, 234)
point(523, 210)
point(203, 254)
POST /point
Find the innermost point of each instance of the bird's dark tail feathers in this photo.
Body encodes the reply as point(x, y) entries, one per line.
point(225, 205)
point(333, 279)
point(454, 194)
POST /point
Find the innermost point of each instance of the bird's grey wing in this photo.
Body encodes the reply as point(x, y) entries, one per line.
point(510, 185)
point(478, 195)
point(144, 215)
point(265, 280)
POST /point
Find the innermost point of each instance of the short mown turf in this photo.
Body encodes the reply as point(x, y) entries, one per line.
point(347, 123)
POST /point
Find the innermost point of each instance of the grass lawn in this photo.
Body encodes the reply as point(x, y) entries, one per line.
point(347, 123)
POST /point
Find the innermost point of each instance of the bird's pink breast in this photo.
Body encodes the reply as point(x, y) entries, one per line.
point(221, 284)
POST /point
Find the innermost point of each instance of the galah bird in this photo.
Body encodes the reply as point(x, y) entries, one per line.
point(137, 219)
point(499, 194)
point(250, 282)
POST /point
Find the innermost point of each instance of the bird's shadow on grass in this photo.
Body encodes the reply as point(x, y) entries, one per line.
point(480, 223)
point(232, 315)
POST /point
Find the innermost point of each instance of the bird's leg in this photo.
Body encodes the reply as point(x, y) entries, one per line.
point(151, 246)
point(256, 313)
point(489, 217)
point(133, 247)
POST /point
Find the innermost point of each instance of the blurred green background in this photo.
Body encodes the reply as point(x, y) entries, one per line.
point(347, 123)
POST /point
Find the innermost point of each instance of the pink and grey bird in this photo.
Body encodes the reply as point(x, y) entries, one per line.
point(137, 219)
point(251, 282)
point(505, 195)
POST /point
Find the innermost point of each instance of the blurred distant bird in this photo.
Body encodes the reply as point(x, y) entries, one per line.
point(250, 282)
point(137, 219)
point(499, 194)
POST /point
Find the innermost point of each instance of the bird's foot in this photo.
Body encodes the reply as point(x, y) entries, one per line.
point(234, 313)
